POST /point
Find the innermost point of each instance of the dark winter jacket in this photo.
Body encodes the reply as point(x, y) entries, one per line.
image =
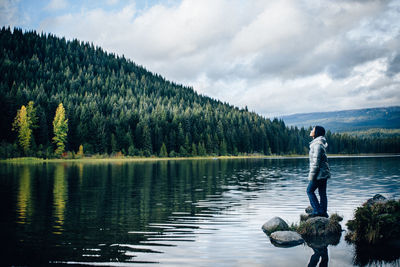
point(319, 167)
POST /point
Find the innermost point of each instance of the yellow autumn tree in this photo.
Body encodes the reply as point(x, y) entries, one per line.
point(80, 153)
point(24, 122)
point(21, 124)
point(60, 129)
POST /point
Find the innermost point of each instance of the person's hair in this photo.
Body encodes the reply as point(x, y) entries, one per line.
point(319, 131)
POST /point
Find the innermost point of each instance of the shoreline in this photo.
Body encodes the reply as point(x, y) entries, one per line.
point(28, 160)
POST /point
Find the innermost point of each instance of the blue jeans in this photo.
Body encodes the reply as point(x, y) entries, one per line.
point(321, 206)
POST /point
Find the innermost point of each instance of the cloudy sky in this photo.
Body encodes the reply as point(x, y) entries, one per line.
point(276, 57)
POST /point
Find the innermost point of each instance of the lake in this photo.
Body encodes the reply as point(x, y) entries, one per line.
point(188, 212)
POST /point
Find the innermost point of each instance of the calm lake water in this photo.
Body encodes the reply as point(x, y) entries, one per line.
point(188, 213)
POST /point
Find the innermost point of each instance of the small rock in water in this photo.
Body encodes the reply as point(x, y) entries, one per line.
point(286, 239)
point(275, 224)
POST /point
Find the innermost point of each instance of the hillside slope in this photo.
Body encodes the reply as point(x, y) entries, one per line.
point(116, 106)
point(349, 120)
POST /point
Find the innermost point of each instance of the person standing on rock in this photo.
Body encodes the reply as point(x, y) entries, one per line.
point(319, 172)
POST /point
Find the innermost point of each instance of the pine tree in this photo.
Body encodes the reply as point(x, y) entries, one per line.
point(182, 151)
point(223, 148)
point(60, 128)
point(146, 139)
point(163, 151)
point(194, 150)
point(32, 117)
point(201, 150)
point(22, 126)
point(114, 147)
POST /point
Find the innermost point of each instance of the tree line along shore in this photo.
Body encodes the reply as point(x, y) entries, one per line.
point(113, 107)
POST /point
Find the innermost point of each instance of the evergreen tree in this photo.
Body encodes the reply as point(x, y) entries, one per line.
point(163, 151)
point(114, 147)
point(194, 150)
point(32, 117)
point(223, 148)
point(182, 151)
point(201, 149)
point(146, 139)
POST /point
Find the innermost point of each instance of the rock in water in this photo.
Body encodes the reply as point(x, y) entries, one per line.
point(275, 224)
point(376, 222)
point(286, 239)
point(320, 227)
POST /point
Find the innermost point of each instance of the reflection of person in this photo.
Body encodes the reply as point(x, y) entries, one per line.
point(319, 172)
point(319, 253)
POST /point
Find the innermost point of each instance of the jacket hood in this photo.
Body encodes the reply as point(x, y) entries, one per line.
point(319, 140)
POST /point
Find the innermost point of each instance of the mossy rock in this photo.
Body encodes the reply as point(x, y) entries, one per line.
point(375, 222)
point(321, 227)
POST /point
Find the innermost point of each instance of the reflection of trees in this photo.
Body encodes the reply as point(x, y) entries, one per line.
point(377, 255)
point(24, 201)
point(59, 198)
point(107, 201)
point(80, 171)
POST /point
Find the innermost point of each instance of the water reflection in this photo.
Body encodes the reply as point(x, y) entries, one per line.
point(24, 204)
point(375, 255)
point(59, 198)
point(319, 253)
point(320, 249)
point(178, 212)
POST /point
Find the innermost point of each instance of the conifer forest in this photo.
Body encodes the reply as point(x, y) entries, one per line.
point(59, 96)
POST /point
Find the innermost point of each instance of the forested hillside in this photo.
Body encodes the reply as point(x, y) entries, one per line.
point(115, 106)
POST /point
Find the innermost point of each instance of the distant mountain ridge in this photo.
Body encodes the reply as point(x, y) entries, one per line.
point(349, 120)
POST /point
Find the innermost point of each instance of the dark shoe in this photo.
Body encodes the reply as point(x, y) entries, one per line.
point(309, 210)
point(324, 215)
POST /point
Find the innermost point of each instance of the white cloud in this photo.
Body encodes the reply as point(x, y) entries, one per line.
point(9, 12)
point(276, 57)
point(57, 4)
point(112, 2)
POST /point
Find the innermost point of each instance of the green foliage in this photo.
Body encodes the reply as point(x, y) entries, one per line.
point(31, 113)
point(194, 150)
point(131, 150)
point(201, 150)
point(60, 129)
point(115, 105)
point(313, 227)
point(375, 224)
point(163, 151)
